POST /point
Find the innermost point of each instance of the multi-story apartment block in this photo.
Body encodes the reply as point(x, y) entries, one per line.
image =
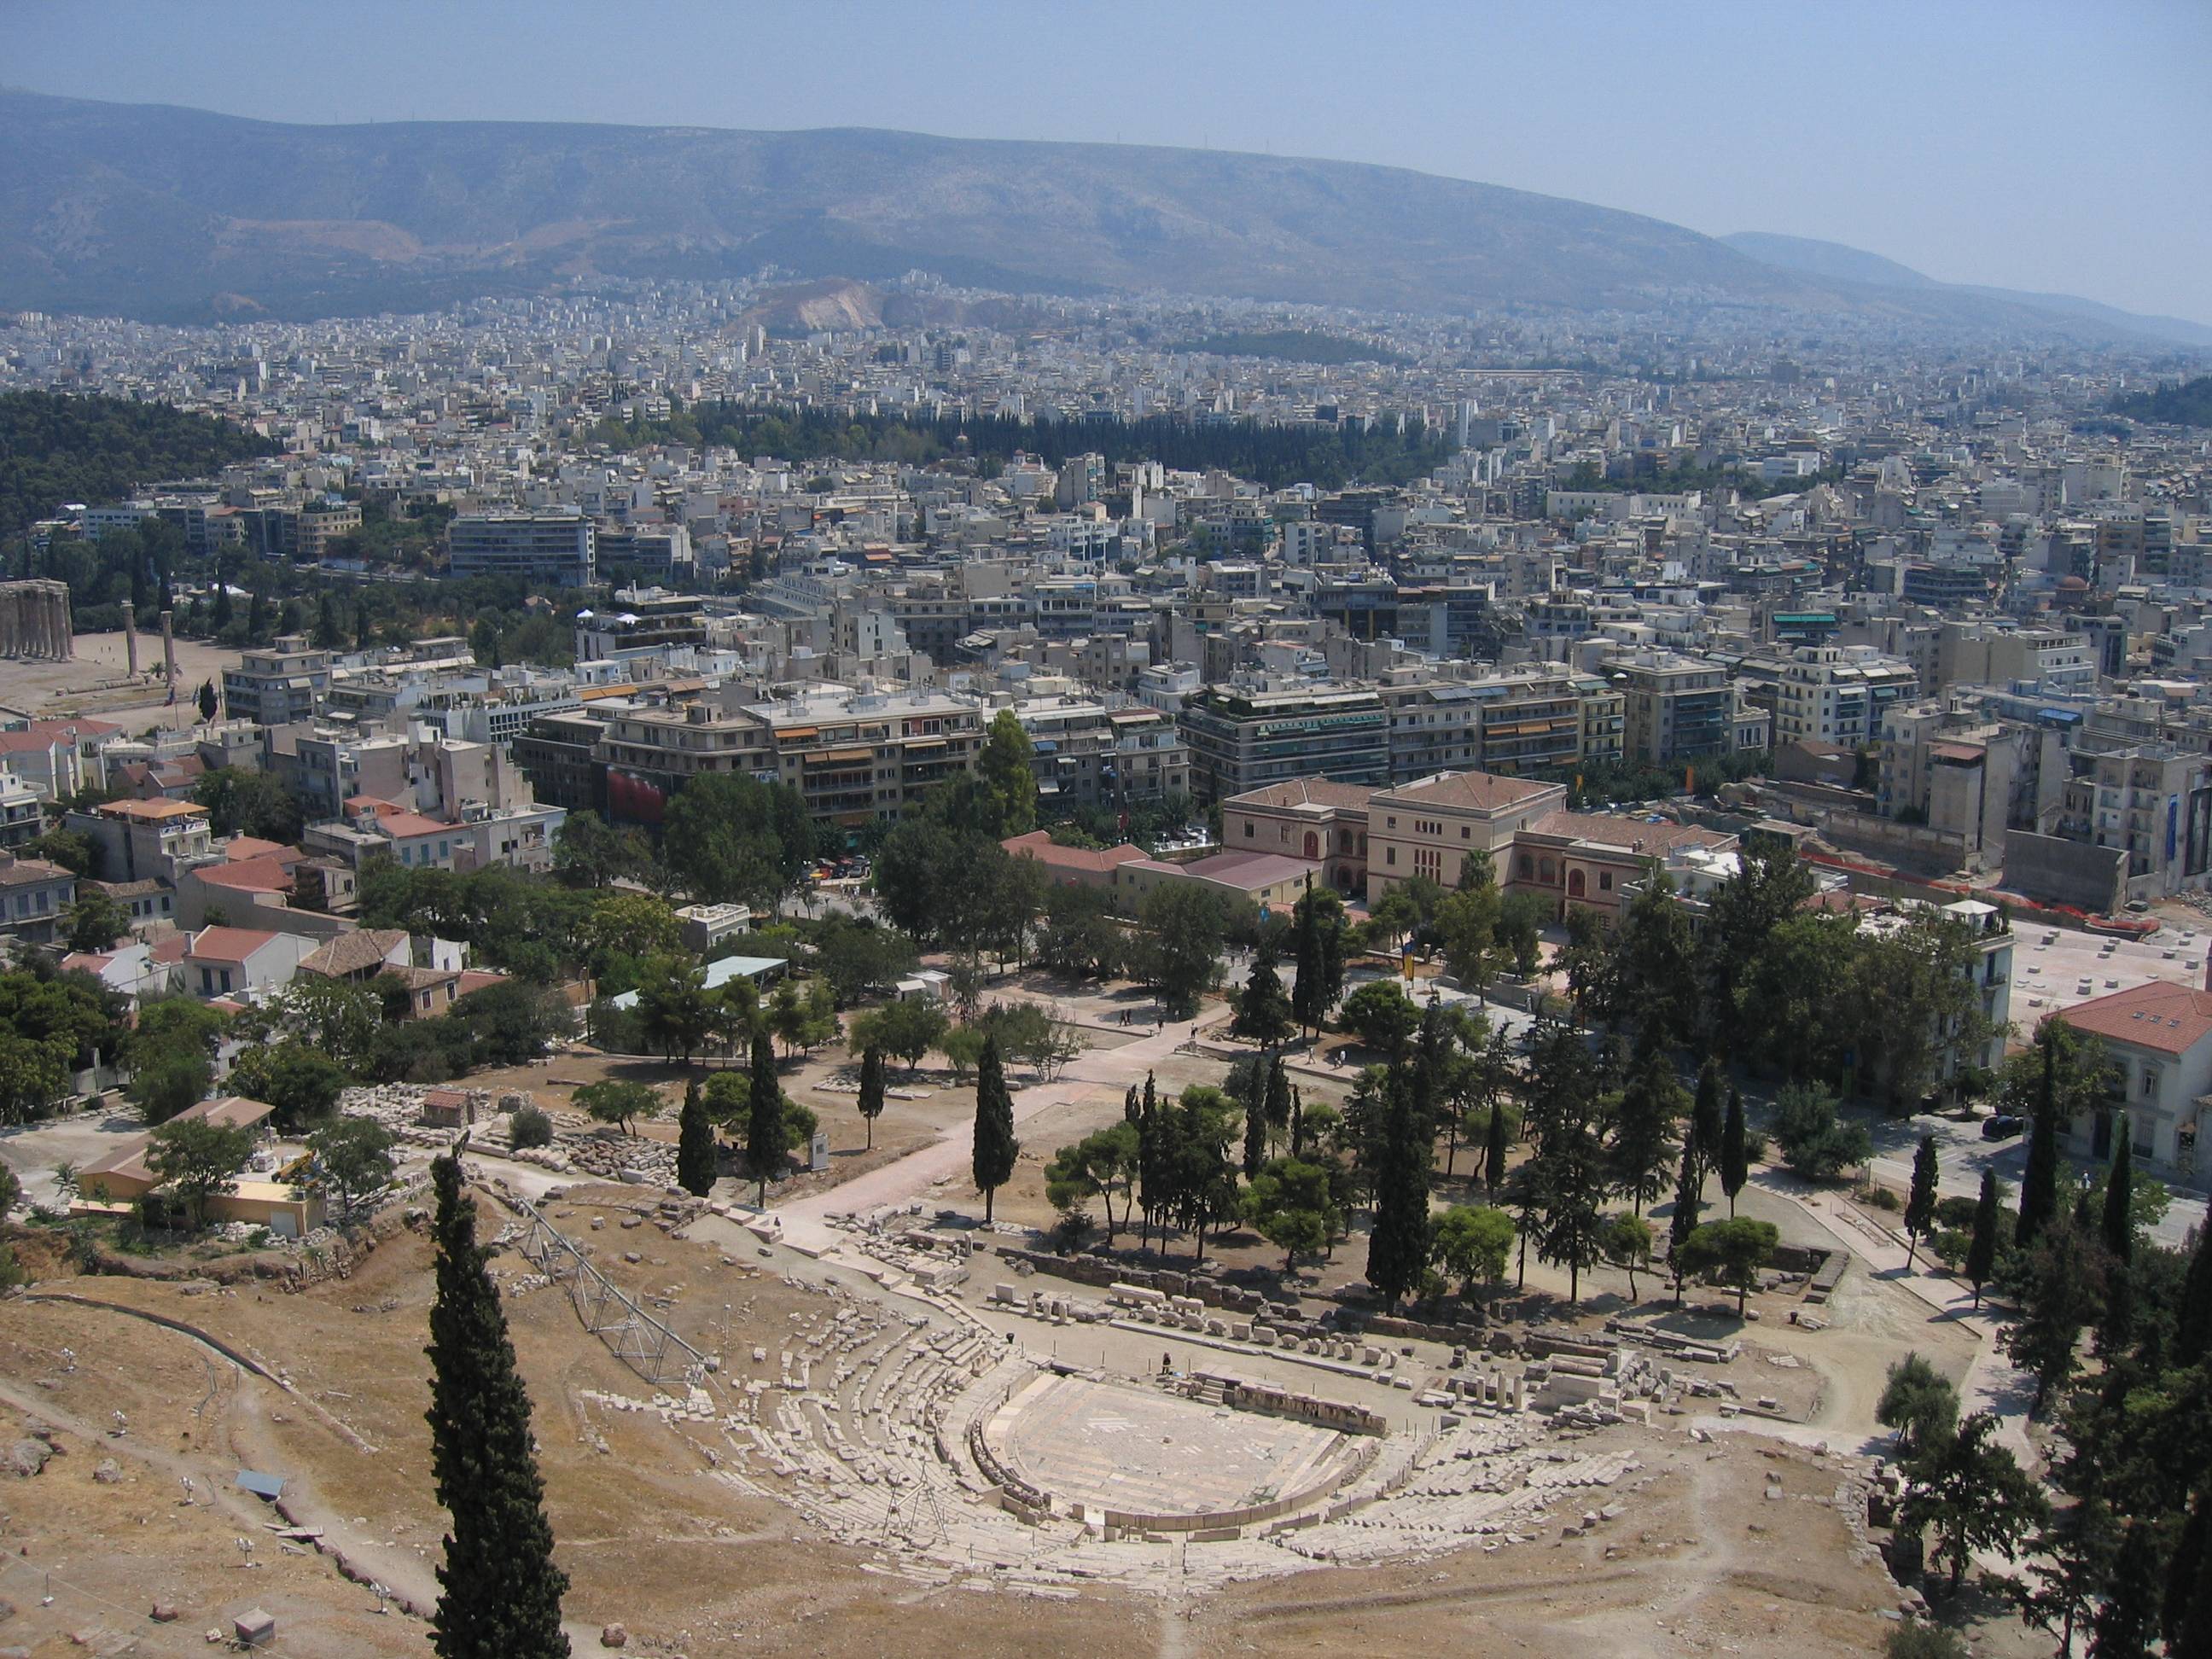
point(1827, 694)
point(2152, 800)
point(1675, 708)
point(1240, 739)
point(557, 546)
point(286, 683)
point(853, 755)
point(1088, 753)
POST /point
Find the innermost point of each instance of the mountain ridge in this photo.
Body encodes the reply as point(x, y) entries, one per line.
point(174, 214)
point(1811, 256)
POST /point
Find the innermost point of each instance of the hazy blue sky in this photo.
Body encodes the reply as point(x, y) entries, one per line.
point(2011, 142)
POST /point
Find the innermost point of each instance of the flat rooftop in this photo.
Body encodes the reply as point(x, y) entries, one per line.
point(2055, 968)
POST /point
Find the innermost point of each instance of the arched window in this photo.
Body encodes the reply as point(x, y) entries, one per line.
point(1545, 874)
point(1575, 883)
point(1528, 868)
point(1313, 845)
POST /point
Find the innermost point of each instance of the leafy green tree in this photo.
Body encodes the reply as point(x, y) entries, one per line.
point(963, 1046)
point(1291, 1205)
point(1734, 1251)
point(1920, 1205)
point(500, 1592)
point(1382, 1017)
point(1005, 767)
point(631, 925)
point(1080, 936)
point(1102, 1165)
point(1466, 930)
point(1969, 1492)
point(907, 1029)
point(301, 1082)
point(336, 1018)
point(1472, 1244)
point(1917, 1401)
point(618, 1103)
point(1200, 1181)
point(198, 1160)
point(858, 955)
point(1184, 929)
point(352, 1158)
point(1768, 888)
point(1795, 997)
point(1915, 1006)
point(729, 836)
point(676, 1011)
point(872, 1090)
point(1263, 1012)
point(2061, 1286)
point(1815, 1145)
point(1982, 1250)
point(697, 1164)
point(1628, 1245)
point(96, 920)
point(588, 853)
point(765, 1142)
point(529, 1127)
point(995, 1147)
point(1656, 969)
point(242, 803)
point(2063, 1077)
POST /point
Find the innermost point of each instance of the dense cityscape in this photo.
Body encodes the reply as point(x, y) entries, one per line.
point(991, 964)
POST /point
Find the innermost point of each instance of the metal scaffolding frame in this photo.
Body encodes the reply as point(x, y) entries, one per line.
point(633, 1335)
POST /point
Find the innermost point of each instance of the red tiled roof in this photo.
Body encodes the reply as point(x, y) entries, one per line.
point(1482, 791)
point(249, 876)
point(1038, 844)
point(405, 826)
point(231, 944)
point(1305, 792)
point(1653, 840)
point(2158, 1014)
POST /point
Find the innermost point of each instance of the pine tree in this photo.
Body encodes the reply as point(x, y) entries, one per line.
point(995, 1145)
point(1397, 1245)
point(2127, 1624)
point(1263, 1012)
point(207, 704)
point(2038, 1181)
point(1688, 1199)
point(872, 1090)
point(1735, 1166)
point(764, 1142)
point(1643, 1128)
point(500, 1591)
point(696, 1163)
point(2187, 1618)
point(1982, 1249)
point(1920, 1206)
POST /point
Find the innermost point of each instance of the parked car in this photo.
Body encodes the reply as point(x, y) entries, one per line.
point(2002, 1127)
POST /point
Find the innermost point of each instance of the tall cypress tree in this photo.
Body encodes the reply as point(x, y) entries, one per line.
point(1256, 1116)
point(1397, 1246)
point(2192, 1335)
point(1493, 1150)
point(764, 1146)
point(500, 1595)
point(1687, 1201)
point(1735, 1164)
point(995, 1145)
point(1920, 1205)
point(695, 1164)
point(1708, 1112)
point(1982, 1249)
point(2038, 1181)
point(872, 1090)
point(2118, 1231)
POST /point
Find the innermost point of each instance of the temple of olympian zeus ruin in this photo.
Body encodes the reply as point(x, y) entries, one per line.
point(34, 620)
